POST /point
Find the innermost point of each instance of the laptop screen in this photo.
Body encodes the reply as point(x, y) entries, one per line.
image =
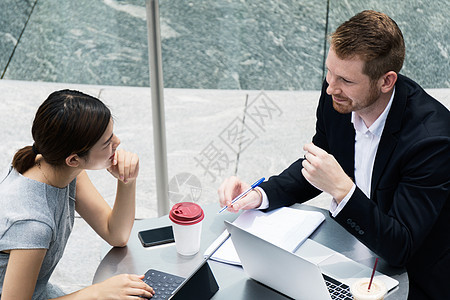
point(201, 283)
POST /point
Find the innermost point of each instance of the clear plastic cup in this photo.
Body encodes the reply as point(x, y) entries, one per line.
point(187, 220)
point(360, 291)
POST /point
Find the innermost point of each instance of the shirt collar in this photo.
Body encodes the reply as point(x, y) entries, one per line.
point(377, 127)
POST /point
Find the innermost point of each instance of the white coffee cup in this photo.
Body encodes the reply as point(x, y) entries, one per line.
point(187, 220)
point(360, 291)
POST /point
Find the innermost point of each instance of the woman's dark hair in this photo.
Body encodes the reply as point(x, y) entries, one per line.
point(67, 122)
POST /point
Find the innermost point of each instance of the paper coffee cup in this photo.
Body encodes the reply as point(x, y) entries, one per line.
point(360, 291)
point(187, 220)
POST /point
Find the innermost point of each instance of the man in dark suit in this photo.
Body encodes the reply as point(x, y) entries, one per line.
point(381, 150)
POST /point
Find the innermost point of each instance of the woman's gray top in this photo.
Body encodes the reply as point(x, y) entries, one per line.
point(34, 215)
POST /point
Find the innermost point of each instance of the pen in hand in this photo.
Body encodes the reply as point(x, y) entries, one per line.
point(243, 194)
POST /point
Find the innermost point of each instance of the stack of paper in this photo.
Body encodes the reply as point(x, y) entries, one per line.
point(285, 227)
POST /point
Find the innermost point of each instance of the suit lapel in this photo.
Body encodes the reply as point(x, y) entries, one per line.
point(348, 150)
point(389, 139)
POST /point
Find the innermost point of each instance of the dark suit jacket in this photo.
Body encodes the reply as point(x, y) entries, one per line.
point(406, 220)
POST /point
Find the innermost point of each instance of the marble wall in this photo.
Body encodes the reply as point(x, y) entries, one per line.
point(13, 17)
point(248, 45)
point(426, 29)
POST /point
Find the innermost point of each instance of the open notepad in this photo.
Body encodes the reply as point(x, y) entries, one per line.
point(285, 227)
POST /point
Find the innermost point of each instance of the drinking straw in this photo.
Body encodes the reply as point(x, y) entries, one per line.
point(373, 273)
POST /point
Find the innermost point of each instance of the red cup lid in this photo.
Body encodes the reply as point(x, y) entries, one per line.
point(186, 213)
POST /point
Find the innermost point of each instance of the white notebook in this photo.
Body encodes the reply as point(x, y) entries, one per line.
point(285, 227)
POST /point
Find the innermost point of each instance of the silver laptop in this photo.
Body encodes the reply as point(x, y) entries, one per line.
point(284, 271)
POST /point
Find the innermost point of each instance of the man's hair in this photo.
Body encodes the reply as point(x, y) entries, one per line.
point(375, 38)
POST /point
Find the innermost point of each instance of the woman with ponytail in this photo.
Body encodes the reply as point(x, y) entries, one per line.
point(47, 182)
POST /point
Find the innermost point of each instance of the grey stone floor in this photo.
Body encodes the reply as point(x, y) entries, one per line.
point(200, 123)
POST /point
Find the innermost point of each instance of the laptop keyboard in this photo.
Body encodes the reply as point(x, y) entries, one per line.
point(164, 284)
point(337, 289)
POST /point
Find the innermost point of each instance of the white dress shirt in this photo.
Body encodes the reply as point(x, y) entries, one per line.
point(366, 145)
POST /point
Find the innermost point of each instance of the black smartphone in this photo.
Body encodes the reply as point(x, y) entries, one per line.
point(157, 236)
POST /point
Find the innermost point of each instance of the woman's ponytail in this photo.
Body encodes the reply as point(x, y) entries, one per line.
point(67, 122)
point(24, 159)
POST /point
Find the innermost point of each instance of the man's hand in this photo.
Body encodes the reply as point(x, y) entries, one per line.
point(232, 187)
point(324, 172)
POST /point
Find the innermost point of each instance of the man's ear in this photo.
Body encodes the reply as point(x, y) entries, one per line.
point(73, 160)
point(389, 80)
